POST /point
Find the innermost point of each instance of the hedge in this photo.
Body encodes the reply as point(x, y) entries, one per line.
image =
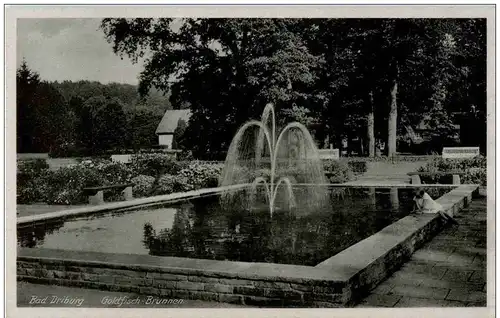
point(338, 171)
point(358, 167)
point(474, 168)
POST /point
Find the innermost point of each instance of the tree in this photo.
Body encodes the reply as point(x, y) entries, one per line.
point(378, 70)
point(128, 94)
point(178, 138)
point(87, 117)
point(361, 77)
point(235, 66)
point(142, 125)
point(26, 85)
point(44, 120)
point(371, 126)
point(55, 121)
point(469, 85)
point(102, 124)
point(110, 126)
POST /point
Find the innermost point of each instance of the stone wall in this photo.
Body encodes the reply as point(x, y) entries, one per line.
point(166, 284)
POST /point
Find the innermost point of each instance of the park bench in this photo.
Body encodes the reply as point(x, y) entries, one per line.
point(415, 176)
point(96, 194)
point(460, 152)
point(329, 154)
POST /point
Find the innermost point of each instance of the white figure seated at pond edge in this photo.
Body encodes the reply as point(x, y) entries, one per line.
point(425, 204)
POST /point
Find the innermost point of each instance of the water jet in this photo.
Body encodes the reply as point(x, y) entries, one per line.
point(261, 158)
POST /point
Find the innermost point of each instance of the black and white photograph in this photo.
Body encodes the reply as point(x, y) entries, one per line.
point(241, 162)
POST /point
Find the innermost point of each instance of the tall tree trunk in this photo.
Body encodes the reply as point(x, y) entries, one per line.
point(393, 117)
point(361, 145)
point(371, 127)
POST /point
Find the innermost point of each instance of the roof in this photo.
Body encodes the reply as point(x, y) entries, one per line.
point(171, 119)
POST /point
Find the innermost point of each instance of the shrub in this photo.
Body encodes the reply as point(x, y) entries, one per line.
point(185, 155)
point(474, 168)
point(143, 185)
point(263, 172)
point(154, 164)
point(67, 196)
point(202, 175)
point(357, 167)
point(32, 165)
point(66, 184)
point(33, 190)
point(339, 171)
point(31, 181)
point(170, 184)
point(27, 170)
point(475, 176)
point(114, 172)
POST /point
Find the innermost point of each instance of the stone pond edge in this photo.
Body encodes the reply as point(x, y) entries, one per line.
point(339, 281)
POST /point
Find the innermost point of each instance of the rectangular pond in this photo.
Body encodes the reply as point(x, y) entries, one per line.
point(203, 228)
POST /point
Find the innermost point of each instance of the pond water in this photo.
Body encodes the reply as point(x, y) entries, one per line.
point(202, 228)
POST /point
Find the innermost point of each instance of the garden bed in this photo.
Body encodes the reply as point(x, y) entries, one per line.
point(151, 174)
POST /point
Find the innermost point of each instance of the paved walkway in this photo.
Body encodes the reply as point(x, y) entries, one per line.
point(449, 271)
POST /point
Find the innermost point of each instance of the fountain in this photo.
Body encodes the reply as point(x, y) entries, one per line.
point(257, 157)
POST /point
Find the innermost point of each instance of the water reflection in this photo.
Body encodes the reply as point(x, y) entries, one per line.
point(394, 198)
point(291, 237)
point(372, 198)
point(34, 235)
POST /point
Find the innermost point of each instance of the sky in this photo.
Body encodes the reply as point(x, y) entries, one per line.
point(71, 49)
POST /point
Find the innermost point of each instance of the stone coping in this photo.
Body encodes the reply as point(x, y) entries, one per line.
point(160, 199)
point(360, 255)
point(343, 268)
point(26, 220)
point(233, 269)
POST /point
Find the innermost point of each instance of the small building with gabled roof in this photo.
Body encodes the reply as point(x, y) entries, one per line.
point(168, 124)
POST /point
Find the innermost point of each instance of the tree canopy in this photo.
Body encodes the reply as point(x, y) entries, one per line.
point(404, 71)
point(367, 79)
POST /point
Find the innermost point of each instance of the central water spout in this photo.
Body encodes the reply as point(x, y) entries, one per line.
point(248, 152)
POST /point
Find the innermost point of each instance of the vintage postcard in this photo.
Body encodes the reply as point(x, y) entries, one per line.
point(213, 160)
